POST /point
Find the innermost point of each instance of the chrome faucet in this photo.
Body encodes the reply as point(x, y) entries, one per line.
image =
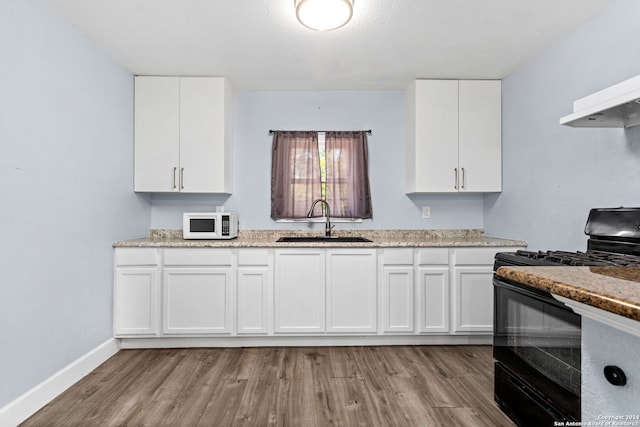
point(327, 226)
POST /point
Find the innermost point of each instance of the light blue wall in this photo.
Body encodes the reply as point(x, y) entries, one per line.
point(383, 112)
point(66, 135)
point(553, 174)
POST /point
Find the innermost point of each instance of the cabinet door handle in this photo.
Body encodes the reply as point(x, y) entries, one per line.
point(455, 177)
point(182, 178)
point(462, 178)
point(174, 177)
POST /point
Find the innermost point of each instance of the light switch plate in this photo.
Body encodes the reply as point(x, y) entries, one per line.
point(426, 212)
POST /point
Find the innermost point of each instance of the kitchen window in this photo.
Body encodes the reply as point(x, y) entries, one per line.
point(309, 165)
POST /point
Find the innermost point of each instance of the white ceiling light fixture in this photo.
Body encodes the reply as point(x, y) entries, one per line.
point(324, 15)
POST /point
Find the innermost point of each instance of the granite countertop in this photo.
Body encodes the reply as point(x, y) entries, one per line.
point(613, 289)
point(379, 238)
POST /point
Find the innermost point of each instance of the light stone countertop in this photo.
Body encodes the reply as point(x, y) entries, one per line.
point(380, 238)
point(612, 289)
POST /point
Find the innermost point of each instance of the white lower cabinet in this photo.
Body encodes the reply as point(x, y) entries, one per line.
point(197, 291)
point(473, 299)
point(433, 290)
point(351, 291)
point(253, 289)
point(472, 289)
point(331, 290)
point(299, 294)
point(225, 292)
point(197, 301)
point(135, 301)
point(397, 296)
point(136, 292)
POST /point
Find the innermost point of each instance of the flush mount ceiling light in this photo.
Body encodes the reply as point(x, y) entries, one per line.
point(324, 15)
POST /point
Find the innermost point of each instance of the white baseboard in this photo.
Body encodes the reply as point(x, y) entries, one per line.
point(304, 341)
point(29, 403)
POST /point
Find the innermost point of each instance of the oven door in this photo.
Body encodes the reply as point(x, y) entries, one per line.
point(536, 345)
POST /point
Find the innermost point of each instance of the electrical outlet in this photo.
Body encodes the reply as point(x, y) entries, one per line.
point(219, 208)
point(426, 212)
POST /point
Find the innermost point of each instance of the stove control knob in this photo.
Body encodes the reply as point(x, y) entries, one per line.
point(615, 375)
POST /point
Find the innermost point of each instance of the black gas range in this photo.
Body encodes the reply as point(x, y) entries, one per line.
point(537, 340)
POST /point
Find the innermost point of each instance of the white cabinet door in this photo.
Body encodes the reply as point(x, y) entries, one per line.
point(397, 299)
point(351, 290)
point(432, 145)
point(397, 289)
point(182, 134)
point(197, 301)
point(157, 133)
point(205, 151)
point(473, 299)
point(252, 295)
point(480, 135)
point(135, 301)
point(254, 290)
point(299, 303)
point(433, 297)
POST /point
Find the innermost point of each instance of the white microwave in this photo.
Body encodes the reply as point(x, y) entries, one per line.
point(209, 225)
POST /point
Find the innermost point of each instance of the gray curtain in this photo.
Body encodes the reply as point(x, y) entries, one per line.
point(347, 184)
point(295, 173)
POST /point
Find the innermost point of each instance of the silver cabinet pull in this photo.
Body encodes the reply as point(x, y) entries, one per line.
point(462, 178)
point(455, 177)
point(174, 177)
point(182, 178)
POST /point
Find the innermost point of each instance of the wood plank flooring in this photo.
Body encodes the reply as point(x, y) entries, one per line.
point(284, 386)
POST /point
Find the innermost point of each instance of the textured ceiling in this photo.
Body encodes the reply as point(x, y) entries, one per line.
point(259, 45)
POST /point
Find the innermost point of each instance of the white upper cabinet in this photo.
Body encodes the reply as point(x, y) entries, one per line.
point(183, 134)
point(453, 136)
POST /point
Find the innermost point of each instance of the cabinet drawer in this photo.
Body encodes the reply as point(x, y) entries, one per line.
point(136, 256)
point(433, 256)
point(476, 256)
point(403, 256)
point(253, 257)
point(198, 257)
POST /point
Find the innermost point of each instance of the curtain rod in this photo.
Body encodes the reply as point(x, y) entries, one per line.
point(367, 131)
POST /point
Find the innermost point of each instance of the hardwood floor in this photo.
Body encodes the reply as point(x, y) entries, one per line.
point(284, 386)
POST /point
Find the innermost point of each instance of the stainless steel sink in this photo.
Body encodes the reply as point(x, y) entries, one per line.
point(328, 239)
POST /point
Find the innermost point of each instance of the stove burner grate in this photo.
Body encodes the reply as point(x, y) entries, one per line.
point(591, 258)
